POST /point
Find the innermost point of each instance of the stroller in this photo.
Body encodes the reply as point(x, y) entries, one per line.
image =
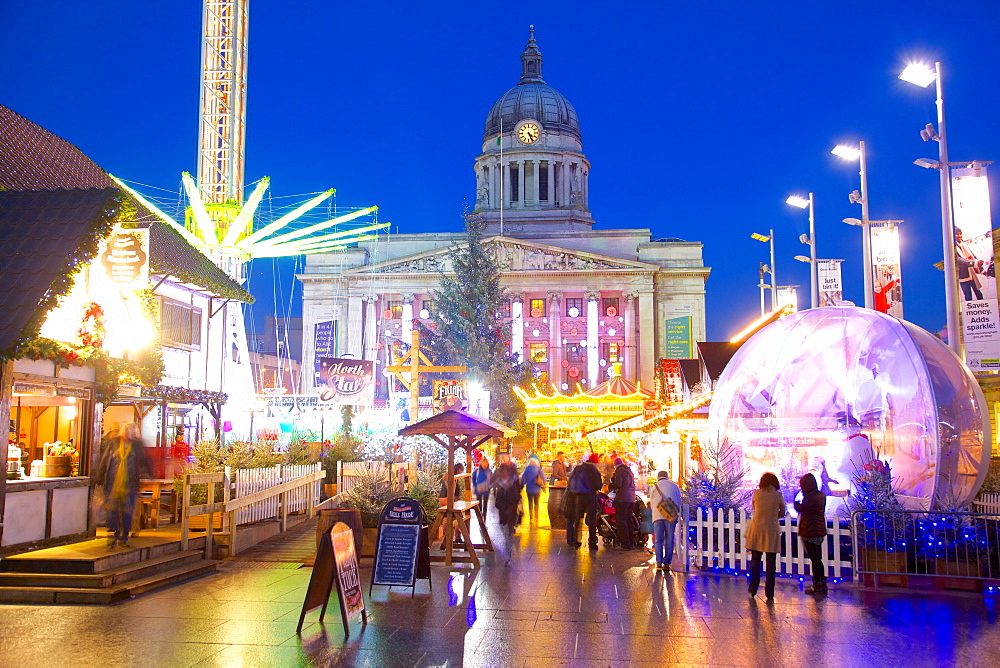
point(607, 527)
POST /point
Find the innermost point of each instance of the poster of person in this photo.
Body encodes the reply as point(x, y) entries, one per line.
point(346, 382)
point(831, 289)
point(450, 395)
point(974, 265)
point(886, 287)
point(352, 600)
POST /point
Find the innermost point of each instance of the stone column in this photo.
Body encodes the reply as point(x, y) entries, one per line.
point(555, 355)
point(407, 324)
point(551, 183)
point(630, 351)
point(506, 184)
point(371, 333)
point(355, 312)
point(521, 192)
point(647, 339)
point(517, 324)
point(592, 297)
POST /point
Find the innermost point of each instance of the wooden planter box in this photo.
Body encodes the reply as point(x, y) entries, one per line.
point(960, 568)
point(200, 522)
point(884, 562)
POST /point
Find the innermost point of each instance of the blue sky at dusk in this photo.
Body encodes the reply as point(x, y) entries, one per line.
point(698, 120)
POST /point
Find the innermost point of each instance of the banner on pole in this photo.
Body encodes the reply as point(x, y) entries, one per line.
point(974, 265)
point(787, 296)
point(888, 291)
point(324, 340)
point(831, 289)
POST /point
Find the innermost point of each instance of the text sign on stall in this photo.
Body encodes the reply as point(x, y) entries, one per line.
point(399, 550)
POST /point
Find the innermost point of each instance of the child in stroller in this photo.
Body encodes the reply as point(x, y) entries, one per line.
point(606, 521)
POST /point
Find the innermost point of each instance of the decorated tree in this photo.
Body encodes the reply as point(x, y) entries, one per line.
point(470, 328)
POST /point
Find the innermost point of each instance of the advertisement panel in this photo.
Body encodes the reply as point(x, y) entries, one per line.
point(450, 395)
point(787, 296)
point(125, 258)
point(347, 382)
point(673, 381)
point(974, 265)
point(886, 287)
point(324, 337)
point(831, 288)
point(680, 344)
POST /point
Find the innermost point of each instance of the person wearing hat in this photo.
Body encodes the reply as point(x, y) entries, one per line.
point(623, 484)
point(584, 483)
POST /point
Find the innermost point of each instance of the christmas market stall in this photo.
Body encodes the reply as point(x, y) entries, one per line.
point(827, 389)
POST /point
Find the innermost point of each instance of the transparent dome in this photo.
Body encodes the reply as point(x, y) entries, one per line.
point(826, 382)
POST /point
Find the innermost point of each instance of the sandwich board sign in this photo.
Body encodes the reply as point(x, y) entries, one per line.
point(336, 562)
point(402, 553)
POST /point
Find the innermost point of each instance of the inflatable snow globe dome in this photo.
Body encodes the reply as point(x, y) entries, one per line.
point(823, 389)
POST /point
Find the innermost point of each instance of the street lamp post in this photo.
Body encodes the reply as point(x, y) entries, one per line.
point(850, 153)
point(922, 75)
point(774, 281)
point(802, 203)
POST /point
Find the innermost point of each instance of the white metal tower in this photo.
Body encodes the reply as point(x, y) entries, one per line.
point(222, 130)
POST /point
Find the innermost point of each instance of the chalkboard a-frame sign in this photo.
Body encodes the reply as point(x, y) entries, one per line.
point(402, 552)
point(336, 563)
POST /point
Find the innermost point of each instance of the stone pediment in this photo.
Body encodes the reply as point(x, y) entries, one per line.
point(514, 255)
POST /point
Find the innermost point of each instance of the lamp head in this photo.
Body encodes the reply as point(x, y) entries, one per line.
point(846, 152)
point(927, 163)
point(855, 197)
point(853, 221)
point(804, 238)
point(918, 74)
point(795, 200)
point(760, 237)
point(803, 258)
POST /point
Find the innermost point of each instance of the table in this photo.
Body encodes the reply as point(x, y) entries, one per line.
point(155, 488)
point(461, 515)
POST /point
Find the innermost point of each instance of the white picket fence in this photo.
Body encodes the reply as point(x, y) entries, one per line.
point(242, 482)
point(348, 473)
point(715, 544)
point(987, 503)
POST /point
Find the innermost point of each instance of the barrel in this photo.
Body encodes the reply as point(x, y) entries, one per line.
point(556, 519)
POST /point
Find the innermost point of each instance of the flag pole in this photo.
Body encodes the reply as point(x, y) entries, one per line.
point(502, 170)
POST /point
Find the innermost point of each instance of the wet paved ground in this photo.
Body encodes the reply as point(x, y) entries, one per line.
point(552, 606)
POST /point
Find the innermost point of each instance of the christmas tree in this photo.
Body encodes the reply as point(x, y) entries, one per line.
point(470, 327)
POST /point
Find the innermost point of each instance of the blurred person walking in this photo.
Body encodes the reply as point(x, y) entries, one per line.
point(533, 481)
point(584, 483)
point(481, 478)
point(763, 536)
point(623, 485)
point(812, 530)
point(507, 500)
point(559, 471)
point(123, 462)
point(665, 503)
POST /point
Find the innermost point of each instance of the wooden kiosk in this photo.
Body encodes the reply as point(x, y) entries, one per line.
point(453, 430)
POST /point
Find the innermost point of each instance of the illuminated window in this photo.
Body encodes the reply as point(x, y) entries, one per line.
point(428, 305)
point(539, 352)
point(396, 307)
point(537, 308)
point(180, 324)
point(609, 307)
point(574, 307)
point(611, 352)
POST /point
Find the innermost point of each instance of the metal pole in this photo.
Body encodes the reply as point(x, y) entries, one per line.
point(774, 280)
point(866, 240)
point(813, 268)
point(955, 341)
point(760, 284)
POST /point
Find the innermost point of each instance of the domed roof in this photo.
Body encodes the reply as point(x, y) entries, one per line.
point(532, 98)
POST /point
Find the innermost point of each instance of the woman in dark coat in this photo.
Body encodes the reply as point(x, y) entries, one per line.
point(123, 462)
point(812, 529)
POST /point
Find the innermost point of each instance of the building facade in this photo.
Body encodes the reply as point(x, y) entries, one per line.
point(585, 303)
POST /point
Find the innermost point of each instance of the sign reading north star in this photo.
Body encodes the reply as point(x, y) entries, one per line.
point(346, 382)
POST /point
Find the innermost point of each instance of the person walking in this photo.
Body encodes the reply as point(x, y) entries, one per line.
point(665, 502)
point(533, 481)
point(123, 462)
point(481, 478)
point(812, 530)
point(763, 536)
point(584, 483)
point(507, 500)
point(623, 484)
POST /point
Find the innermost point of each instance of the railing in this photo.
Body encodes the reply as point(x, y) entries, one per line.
point(248, 481)
point(987, 503)
point(713, 539)
point(950, 545)
point(282, 497)
point(349, 472)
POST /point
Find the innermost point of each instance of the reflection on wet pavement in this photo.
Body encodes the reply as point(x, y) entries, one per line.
point(554, 605)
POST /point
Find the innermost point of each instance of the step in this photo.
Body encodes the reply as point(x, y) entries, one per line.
point(110, 594)
point(90, 557)
point(128, 573)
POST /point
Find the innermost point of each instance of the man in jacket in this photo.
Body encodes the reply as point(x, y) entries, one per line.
point(623, 484)
point(664, 527)
point(584, 483)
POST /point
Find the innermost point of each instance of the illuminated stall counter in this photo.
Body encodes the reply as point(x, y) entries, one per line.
point(827, 382)
point(39, 510)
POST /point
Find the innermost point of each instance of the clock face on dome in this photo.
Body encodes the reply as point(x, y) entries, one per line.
point(528, 133)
